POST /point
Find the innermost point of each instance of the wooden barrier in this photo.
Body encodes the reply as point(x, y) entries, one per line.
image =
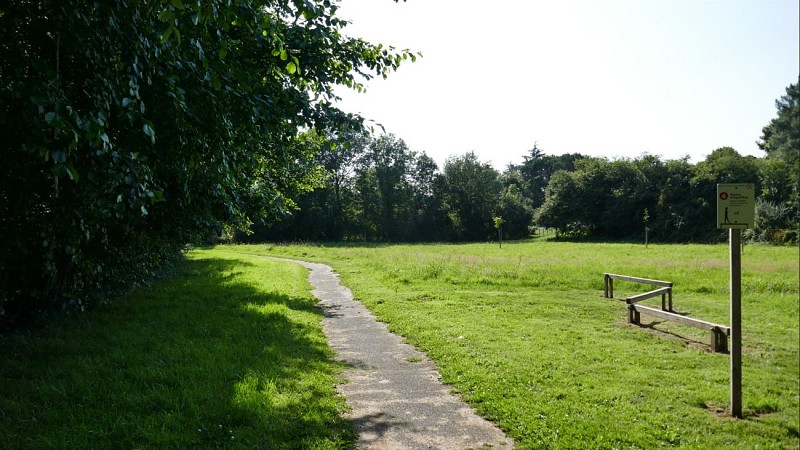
point(665, 292)
point(719, 333)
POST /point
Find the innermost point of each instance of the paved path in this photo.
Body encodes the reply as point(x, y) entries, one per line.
point(395, 393)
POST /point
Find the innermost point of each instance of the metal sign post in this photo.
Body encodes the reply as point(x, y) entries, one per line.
point(736, 211)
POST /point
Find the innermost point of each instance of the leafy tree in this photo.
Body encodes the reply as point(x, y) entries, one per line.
point(781, 137)
point(333, 200)
point(516, 213)
point(723, 165)
point(537, 169)
point(679, 207)
point(773, 223)
point(428, 216)
point(780, 171)
point(470, 191)
point(562, 206)
point(131, 128)
point(384, 187)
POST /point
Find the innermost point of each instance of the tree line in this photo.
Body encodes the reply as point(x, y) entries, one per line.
point(374, 188)
point(131, 129)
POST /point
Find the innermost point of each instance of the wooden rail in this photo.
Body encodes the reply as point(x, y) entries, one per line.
point(665, 292)
point(719, 333)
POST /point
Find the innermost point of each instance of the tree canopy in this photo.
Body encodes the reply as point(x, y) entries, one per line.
point(134, 127)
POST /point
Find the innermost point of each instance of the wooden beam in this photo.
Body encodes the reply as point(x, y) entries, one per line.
point(655, 293)
point(682, 319)
point(638, 280)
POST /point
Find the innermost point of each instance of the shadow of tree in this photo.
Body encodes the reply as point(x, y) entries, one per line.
point(374, 426)
point(206, 359)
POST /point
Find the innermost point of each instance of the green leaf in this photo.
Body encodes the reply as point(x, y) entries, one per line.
point(291, 68)
point(73, 174)
point(178, 4)
point(223, 52)
point(284, 55)
point(148, 130)
point(215, 82)
point(166, 35)
point(50, 117)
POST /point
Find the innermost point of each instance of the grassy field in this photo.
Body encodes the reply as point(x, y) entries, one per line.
point(524, 335)
point(226, 353)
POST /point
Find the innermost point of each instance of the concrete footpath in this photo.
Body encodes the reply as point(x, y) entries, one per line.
point(395, 392)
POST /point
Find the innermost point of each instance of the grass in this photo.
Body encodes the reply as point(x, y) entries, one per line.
point(524, 335)
point(227, 353)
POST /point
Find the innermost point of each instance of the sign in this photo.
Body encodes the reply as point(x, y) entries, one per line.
point(736, 210)
point(736, 205)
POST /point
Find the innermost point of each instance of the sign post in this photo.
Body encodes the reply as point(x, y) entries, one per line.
point(736, 211)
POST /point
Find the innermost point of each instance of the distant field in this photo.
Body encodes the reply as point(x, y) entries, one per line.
point(524, 335)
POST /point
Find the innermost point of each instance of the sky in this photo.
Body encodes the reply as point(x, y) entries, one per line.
point(610, 78)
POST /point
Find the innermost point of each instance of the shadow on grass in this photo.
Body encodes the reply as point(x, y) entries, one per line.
point(687, 341)
point(207, 359)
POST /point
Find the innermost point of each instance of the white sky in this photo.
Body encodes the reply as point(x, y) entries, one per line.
point(614, 78)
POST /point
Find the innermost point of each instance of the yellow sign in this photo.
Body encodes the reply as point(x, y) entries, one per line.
point(736, 205)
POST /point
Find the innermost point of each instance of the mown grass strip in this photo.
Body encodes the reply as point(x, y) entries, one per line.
point(526, 337)
point(228, 353)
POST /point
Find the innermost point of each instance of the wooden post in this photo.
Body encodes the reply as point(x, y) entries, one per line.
point(736, 322)
point(633, 315)
point(669, 299)
point(719, 340)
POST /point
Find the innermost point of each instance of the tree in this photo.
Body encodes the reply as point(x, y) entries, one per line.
point(516, 213)
point(384, 187)
point(562, 206)
point(470, 193)
point(537, 169)
point(678, 211)
point(340, 160)
point(723, 165)
point(428, 217)
point(780, 139)
point(498, 224)
point(131, 128)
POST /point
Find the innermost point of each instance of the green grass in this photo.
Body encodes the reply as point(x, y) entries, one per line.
point(227, 353)
point(524, 335)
